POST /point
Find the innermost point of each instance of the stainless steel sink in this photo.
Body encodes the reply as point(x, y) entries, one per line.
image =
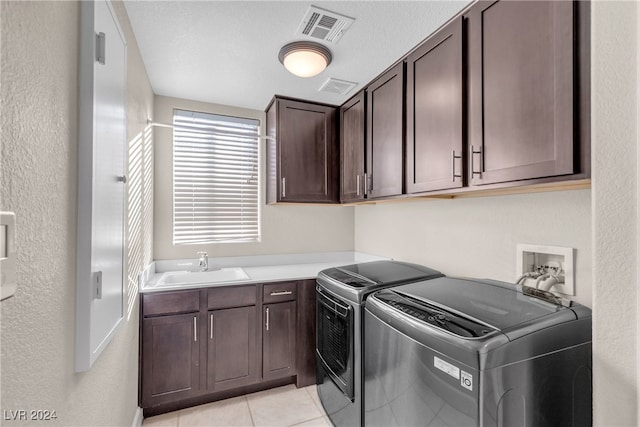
point(232, 274)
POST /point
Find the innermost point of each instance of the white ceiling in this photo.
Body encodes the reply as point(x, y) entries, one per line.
point(226, 52)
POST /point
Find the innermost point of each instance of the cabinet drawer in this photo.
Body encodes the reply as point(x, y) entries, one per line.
point(231, 296)
point(279, 292)
point(167, 303)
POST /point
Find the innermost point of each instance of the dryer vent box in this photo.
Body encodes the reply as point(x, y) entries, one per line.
point(530, 258)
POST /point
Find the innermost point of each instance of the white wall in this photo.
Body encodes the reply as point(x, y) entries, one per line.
point(39, 87)
point(477, 237)
point(615, 216)
point(284, 228)
point(638, 209)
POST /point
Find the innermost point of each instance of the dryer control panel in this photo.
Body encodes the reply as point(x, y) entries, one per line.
point(435, 316)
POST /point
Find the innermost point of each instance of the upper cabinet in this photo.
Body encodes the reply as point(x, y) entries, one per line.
point(521, 90)
point(352, 141)
point(302, 152)
point(434, 112)
point(385, 134)
point(497, 98)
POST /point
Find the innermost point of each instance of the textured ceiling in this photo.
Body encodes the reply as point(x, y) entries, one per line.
point(226, 52)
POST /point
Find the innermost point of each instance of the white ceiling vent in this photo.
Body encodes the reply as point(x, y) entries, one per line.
point(341, 87)
point(324, 25)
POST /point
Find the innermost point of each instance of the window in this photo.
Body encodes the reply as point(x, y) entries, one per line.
point(215, 178)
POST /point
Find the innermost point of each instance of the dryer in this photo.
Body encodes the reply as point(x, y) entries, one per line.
point(462, 352)
point(340, 295)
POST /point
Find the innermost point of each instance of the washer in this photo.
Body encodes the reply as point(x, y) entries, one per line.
point(340, 294)
point(461, 352)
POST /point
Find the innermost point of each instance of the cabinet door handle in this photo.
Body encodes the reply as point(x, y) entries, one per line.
point(284, 186)
point(473, 169)
point(275, 294)
point(195, 329)
point(366, 184)
point(453, 166)
point(267, 321)
point(358, 185)
point(211, 325)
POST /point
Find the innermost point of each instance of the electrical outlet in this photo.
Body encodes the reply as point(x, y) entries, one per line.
point(547, 259)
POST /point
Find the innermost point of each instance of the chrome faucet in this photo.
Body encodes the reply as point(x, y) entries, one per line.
point(203, 262)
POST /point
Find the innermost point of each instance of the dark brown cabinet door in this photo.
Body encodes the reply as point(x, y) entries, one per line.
point(521, 90)
point(305, 152)
point(385, 134)
point(306, 334)
point(232, 360)
point(352, 142)
point(170, 358)
point(279, 340)
point(272, 154)
point(434, 112)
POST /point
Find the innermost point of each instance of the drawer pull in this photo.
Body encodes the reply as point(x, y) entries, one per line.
point(278, 293)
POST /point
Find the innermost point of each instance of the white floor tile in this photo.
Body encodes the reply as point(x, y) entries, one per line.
point(278, 407)
point(313, 392)
point(228, 412)
point(316, 422)
point(282, 406)
point(164, 420)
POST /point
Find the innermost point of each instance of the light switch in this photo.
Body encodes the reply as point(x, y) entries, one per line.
point(3, 241)
point(8, 280)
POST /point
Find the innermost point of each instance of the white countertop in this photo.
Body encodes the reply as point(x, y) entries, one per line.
point(259, 268)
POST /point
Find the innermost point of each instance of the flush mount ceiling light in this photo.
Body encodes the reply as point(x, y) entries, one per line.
point(305, 59)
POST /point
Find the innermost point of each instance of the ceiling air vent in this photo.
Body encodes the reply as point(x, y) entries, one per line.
point(324, 25)
point(341, 87)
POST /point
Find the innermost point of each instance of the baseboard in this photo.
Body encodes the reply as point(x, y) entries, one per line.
point(137, 420)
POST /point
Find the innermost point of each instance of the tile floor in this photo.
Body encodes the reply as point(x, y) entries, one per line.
point(279, 407)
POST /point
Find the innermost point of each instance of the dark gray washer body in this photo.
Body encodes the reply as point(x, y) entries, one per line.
point(352, 284)
point(529, 365)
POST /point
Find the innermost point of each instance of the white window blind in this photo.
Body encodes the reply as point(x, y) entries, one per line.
point(215, 178)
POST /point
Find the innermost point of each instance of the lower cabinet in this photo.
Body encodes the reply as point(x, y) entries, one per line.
point(170, 358)
point(306, 334)
point(279, 340)
point(231, 348)
point(207, 344)
point(279, 330)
